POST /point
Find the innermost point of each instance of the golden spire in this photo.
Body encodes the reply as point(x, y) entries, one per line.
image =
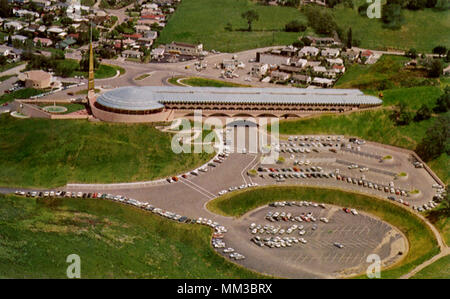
point(91, 66)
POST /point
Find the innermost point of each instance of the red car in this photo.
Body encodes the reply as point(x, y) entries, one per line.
point(175, 178)
point(5, 104)
point(346, 210)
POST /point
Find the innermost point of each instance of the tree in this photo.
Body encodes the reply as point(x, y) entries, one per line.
point(440, 50)
point(295, 26)
point(423, 113)
point(84, 62)
point(349, 38)
point(251, 16)
point(5, 9)
point(412, 53)
point(442, 5)
point(322, 21)
point(435, 68)
point(48, 19)
point(362, 9)
point(392, 16)
point(66, 21)
point(401, 115)
point(436, 140)
point(443, 102)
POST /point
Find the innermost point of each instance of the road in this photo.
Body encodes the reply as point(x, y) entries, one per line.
point(190, 196)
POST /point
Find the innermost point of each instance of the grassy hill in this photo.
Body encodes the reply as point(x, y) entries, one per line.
point(112, 240)
point(423, 29)
point(204, 21)
point(440, 269)
point(50, 153)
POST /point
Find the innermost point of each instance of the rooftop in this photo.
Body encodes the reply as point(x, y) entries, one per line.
point(153, 97)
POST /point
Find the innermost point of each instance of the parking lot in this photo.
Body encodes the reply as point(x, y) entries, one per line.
point(360, 235)
point(310, 254)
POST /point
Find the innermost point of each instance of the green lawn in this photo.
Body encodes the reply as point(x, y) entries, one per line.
point(388, 73)
point(200, 21)
point(440, 217)
point(112, 240)
point(104, 70)
point(24, 93)
point(440, 269)
point(374, 125)
point(423, 29)
point(50, 153)
point(6, 77)
point(204, 21)
point(9, 66)
point(421, 240)
point(72, 107)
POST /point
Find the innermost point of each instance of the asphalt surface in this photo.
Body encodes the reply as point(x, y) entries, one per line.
point(360, 235)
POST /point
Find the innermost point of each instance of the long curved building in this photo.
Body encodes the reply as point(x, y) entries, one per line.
point(163, 103)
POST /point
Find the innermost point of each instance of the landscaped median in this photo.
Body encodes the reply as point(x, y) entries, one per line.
point(202, 82)
point(422, 244)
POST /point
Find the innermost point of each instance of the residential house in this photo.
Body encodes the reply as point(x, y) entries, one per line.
point(42, 3)
point(36, 79)
point(321, 41)
point(132, 54)
point(259, 70)
point(367, 54)
point(330, 52)
point(339, 69)
point(319, 70)
point(279, 76)
point(337, 61)
point(10, 52)
point(13, 25)
point(185, 48)
point(272, 59)
point(18, 37)
point(301, 79)
point(350, 54)
point(142, 28)
point(290, 51)
point(322, 82)
point(298, 62)
point(290, 69)
point(158, 53)
point(45, 42)
point(308, 51)
point(20, 13)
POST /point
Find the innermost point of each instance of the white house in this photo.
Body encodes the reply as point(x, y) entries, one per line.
point(319, 69)
point(337, 61)
point(14, 24)
point(323, 82)
point(259, 70)
point(308, 51)
point(273, 59)
point(330, 52)
point(279, 76)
